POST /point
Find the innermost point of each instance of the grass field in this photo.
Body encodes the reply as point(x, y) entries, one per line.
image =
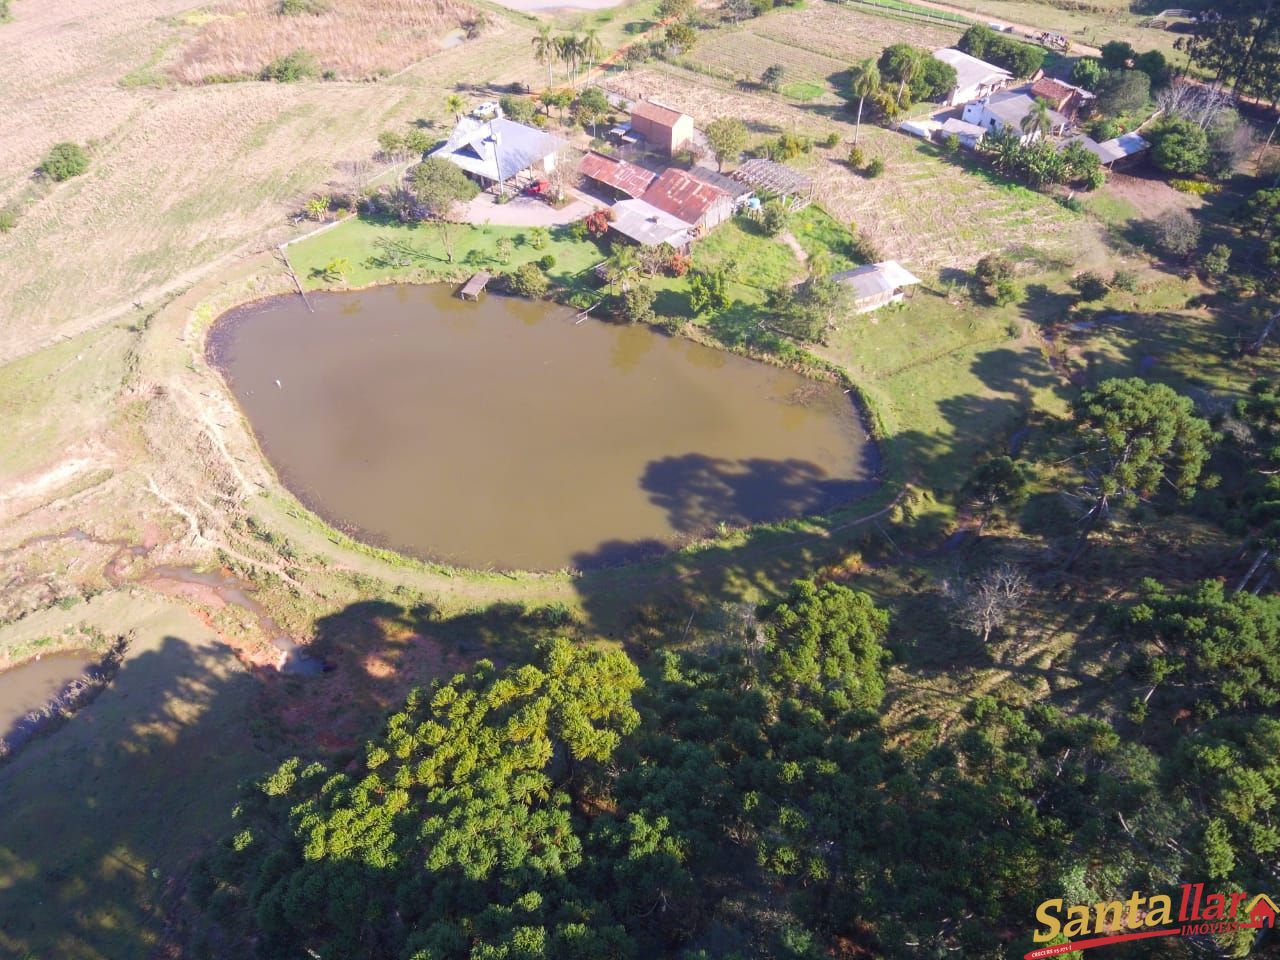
point(351, 41)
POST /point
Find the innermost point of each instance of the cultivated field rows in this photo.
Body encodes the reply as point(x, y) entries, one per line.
point(847, 34)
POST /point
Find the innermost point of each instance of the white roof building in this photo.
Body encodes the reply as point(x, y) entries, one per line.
point(974, 78)
point(877, 284)
point(499, 149)
point(649, 226)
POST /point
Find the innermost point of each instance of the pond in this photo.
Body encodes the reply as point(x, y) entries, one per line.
point(33, 684)
point(506, 434)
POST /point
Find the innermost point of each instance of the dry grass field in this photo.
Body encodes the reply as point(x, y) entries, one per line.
point(847, 34)
point(815, 45)
point(354, 39)
point(182, 178)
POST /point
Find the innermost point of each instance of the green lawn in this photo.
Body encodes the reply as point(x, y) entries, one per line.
point(803, 91)
point(380, 250)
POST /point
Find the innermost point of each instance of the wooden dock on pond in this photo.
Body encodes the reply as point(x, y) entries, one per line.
point(475, 286)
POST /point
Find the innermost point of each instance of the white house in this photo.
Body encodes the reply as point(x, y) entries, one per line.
point(499, 150)
point(1006, 111)
point(974, 78)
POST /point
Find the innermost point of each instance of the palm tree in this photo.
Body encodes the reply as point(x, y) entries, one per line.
point(591, 48)
point(866, 81)
point(911, 68)
point(569, 48)
point(622, 265)
point(1038, 121)
point(544, 49)
point(455, 104)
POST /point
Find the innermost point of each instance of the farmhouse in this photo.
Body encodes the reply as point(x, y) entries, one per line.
point(1005, 111)
point(974, 78)
point(876, 284)
point(500, 151)
point(661, 127)
point(1066, 98)
point(688, 199)
point(616, 178)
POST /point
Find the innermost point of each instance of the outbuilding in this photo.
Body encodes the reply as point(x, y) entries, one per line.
point(661, 127)
point(876, 284)
point(616, 178)
point(688, 199)
point(1005, 112)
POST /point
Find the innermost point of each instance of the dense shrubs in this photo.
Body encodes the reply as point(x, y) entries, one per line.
point(527, 281)
point(298, 65)
point(1179, 146)
point(64, 161)
point(1020, 59)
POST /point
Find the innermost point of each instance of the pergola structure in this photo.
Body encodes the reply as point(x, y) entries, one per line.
point(772, 177)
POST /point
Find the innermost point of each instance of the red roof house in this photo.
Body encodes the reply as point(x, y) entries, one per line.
point(616, 175)
point(1066, 98)
point(687, 198)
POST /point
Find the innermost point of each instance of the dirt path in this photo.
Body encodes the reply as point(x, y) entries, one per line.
point(790, 240)
point(1025, 30)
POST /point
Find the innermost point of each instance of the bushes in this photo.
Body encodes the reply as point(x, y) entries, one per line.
point(299, 65)
point(520, 109)
point(1089, 285)
point(64, 161)
point(1175, 232)
point(774, 217)
point(874, 168)
point(1197, 187)
point(547, 262)
point(8, 219)
point(995, 275)
point(856, 159)
point(596, 223)
point(1179, 146)
point(637, 304)
point(527, 281)
point(1020, 59)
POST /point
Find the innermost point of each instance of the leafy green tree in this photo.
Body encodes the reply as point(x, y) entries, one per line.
point(1086, 73)
point(901, 63)
point(825, 642)
point(1221, 650)
point(590, 107)
point(1020, 59)
point(1123, 92)
point(439, 187)
point(1117, 54)
point(864, 81)
point(1155, 65)
point(455, 837)
point(1000, 482)
point(772, 77)
point(1134, 438)
point(637, 303)
point(681, 37)
point(1179, 146)
point(1037, 122)
point(708, 291)
point(726, 136)
point(64, 161)
point(1261, 222)
point(775, 216)
point(676, 9)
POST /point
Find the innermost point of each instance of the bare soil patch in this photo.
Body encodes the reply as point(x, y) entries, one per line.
point(355, 39)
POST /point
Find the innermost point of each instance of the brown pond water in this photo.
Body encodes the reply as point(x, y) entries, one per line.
point(32, 685)
point(503, 434)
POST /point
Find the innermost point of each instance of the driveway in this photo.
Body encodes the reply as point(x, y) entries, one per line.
point(529, 211)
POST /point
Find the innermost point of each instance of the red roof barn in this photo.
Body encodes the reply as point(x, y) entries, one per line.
point(616, 175)
point(687, 198)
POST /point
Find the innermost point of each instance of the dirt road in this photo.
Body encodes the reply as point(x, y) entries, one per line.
point(1021, 29)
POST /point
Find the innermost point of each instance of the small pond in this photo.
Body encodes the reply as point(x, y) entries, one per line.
point(504, 434)
point(33, 684)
